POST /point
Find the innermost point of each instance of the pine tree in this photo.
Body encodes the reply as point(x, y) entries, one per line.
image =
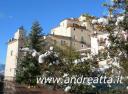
point(27, 70)
point(35, 37)
point(28, 67)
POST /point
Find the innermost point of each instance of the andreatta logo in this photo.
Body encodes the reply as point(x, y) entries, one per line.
point(80, 80)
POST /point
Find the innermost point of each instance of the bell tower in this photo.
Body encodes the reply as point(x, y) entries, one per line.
point(13, 53)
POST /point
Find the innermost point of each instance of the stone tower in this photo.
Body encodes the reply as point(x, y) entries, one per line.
point(14, 44)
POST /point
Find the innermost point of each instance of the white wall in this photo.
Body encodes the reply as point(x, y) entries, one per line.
point(61, 31)
point(12, 55)
point(11, 60)
point(94, 45)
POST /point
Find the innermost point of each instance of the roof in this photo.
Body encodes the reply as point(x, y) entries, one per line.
point(60, 36)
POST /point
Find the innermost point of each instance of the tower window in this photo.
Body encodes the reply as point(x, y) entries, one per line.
point(82, 39)
point(11, 52)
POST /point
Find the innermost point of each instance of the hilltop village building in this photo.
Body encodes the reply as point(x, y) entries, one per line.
point(75, 31)
point(78, 33)
point(14, 44)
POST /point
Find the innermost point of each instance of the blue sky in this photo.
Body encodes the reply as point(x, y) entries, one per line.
point(14, 13)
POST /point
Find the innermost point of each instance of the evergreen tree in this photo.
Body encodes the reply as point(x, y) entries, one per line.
point(35, 37)
point(27, 70)
point(28, 67)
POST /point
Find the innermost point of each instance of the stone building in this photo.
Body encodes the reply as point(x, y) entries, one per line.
point(79, 33)
point(74, 31)
point(14, 44)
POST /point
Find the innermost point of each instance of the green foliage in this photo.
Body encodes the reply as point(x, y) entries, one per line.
point(81, 69)
point(27, 70)
point(35, 37)
point(28, 67)
point(124, 64)
point(67, 53)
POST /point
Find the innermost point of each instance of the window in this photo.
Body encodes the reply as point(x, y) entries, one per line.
point(82, 39)
point(11, 52)
point(63, 42)
point(82, 45)
point(74, 29)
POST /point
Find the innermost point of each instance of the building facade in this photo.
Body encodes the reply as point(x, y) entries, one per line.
point(79, 33)
point(14, 44)
point(75, 31)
